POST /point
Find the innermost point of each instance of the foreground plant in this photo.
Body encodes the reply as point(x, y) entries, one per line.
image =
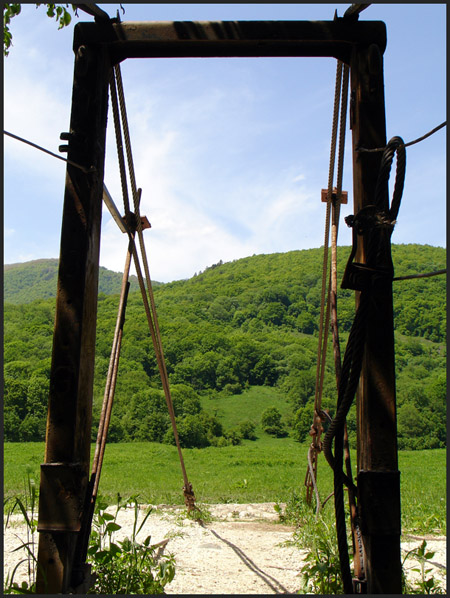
point(426, 584)
point(127, 566)
point(321, 573)
point(26, 504)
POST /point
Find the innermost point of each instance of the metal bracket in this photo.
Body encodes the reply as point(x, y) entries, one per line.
point(379, 507)
point(343, 198)
point(360, 277)
point(61, 497)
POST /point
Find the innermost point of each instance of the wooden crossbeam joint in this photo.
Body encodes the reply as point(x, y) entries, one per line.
point(344, 195)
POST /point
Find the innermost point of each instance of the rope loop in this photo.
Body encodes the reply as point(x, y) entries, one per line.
point(395, 145)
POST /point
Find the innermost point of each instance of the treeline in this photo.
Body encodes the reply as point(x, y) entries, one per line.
point(251, 322)
point(29, 281)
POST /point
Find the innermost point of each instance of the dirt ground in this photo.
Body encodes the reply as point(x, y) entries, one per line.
point(242, 550)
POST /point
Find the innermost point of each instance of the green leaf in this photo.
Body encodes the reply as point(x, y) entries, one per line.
point(103, 556)
point(112, 527)
point(107, 517)
point(115, 549)
point(67, 18)
point(101, 519)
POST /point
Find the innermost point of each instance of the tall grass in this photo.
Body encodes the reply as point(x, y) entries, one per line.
point(266, 470)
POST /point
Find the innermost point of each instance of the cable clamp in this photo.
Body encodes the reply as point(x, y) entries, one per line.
point(360, 277)
point(369, 218)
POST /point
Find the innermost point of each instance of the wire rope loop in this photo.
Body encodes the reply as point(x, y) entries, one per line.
point(395, 145)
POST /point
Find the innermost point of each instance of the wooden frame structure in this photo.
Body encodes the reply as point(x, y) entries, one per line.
point(64, 475)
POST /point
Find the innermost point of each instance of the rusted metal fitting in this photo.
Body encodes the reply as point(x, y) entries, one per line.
point(343, 198)
point(360, 277)
point(65, 137)
point(379, 507)
point(61, 497)
point(130, 220)
point(82, 61)
point(189, 497)
point(145, 223)
point(359, 586)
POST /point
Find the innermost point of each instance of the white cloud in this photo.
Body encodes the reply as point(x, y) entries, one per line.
point(298, 178)
point(231, 155)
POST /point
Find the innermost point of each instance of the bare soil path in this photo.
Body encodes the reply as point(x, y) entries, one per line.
point(241, 550)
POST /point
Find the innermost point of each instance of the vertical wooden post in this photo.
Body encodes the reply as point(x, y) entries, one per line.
point(64, 474)
point(378, 476)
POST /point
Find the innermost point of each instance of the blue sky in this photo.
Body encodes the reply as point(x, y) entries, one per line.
point(231, 154)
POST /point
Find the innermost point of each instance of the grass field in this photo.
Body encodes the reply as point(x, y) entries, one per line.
point(264, 470)
point(249, 405)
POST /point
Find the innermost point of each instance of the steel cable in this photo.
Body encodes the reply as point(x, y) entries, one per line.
point(382, 149)
point(381, 217)
point(89, 170)
point(322, 341)
point(323, 336)
point(119, 146)
point(150, 309)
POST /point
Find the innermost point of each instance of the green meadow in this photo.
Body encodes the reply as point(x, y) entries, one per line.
point(265, 470)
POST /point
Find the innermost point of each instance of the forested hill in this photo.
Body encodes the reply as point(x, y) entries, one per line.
point(237, 326)
point(283, 289)
point(233, 291)
point(27, 281)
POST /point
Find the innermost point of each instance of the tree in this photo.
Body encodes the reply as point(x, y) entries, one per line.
point(58, 11)
point(191, 433)
point(272, 424)
point(412, 427)
point(247, 430)
point(299, 385)
point(185, 400)
point(302, 423)
point(264, 372)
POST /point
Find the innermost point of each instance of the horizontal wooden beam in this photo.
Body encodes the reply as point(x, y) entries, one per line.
point(172, 39)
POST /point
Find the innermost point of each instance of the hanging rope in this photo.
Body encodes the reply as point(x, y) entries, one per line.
point(150, 309)
point(362, 277)
point(358, 550)
point(316, 428)
point(333, 203)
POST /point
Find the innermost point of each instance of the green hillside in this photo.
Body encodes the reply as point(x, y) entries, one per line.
point(239, 339)
point(28, 281)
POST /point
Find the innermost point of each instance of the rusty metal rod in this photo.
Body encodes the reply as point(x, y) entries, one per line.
point(355, 10)
point(105, 417)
